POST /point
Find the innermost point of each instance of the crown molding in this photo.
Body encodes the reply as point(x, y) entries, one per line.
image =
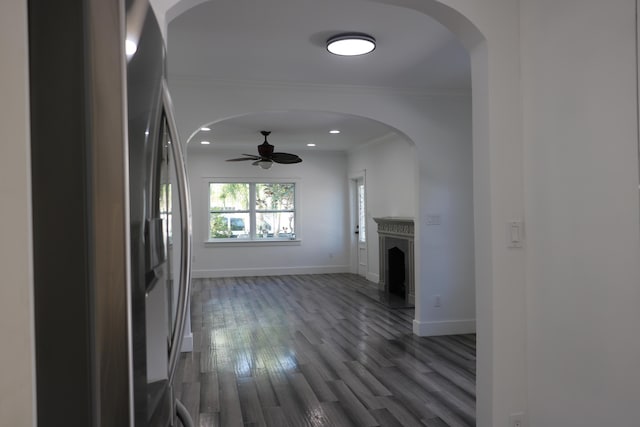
point(186, 79)
point(387, 137)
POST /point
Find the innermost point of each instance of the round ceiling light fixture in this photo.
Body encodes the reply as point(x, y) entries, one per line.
point(351, 44)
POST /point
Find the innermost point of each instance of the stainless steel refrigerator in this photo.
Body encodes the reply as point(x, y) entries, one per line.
point(111, 221)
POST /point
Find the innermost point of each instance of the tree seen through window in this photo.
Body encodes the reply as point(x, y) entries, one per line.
point(253, 210)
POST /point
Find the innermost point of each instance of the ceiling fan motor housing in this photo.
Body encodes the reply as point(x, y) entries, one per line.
point(265, 149)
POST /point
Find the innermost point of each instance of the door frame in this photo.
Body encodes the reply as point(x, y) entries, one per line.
point(354, 178)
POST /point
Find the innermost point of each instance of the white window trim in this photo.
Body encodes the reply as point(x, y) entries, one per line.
point(252, 242)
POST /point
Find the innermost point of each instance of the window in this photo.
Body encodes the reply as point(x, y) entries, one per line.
point(166, 210)
point(362, 219)
point(252, 211)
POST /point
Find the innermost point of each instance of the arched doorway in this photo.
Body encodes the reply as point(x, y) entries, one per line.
point(497, 192)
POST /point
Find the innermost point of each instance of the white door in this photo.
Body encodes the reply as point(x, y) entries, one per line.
point(361, 226)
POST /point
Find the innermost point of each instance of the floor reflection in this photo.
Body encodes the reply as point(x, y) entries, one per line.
point(314, 350)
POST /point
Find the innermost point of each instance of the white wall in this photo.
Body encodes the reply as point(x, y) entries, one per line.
point(17, 376)
point(583, 253)
point(393, 183)
point(446, 191)
point(390, 167)
point(322, 222)
point(490, 31)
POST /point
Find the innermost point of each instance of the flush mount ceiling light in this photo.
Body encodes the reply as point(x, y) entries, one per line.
point(351, 44)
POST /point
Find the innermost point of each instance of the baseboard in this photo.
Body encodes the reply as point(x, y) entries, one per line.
point(373, 277)
point(267, 271)
point(187, 343)
point(445, 327)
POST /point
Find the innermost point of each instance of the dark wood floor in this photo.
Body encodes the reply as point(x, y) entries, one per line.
point(311, 350)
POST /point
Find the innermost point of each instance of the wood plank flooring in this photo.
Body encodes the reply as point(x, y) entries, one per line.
point(310, 350)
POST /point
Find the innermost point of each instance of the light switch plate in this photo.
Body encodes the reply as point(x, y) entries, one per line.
point(515, 234)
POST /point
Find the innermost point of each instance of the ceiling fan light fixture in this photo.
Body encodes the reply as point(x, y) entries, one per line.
point(351, 44)
point(265, 164)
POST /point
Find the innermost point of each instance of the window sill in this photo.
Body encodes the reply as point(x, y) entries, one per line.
point(219, 243)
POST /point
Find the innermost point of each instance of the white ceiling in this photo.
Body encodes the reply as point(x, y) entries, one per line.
point(283, 41)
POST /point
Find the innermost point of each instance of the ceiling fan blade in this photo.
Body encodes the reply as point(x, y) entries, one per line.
point(257, 162)
point(239, 159)
point(285, 158)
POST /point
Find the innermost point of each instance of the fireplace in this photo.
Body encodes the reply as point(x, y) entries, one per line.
point(396, 247)
point(397, 284)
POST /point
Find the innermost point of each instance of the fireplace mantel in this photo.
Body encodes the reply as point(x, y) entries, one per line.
point(395, 226)
point(396, 232)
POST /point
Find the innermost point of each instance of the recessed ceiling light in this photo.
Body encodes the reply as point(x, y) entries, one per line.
point(351, 44)
point(311, 144)
point(205, 129)
point(334, 131)
point(205, 142)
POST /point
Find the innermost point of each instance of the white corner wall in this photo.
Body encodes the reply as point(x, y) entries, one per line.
point(581, 184)
point(322, 217)
point(389, 164)
point(17, 366)
point(445, 180)
point(393, 184)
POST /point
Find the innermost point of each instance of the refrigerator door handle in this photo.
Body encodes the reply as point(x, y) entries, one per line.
point(185, 225)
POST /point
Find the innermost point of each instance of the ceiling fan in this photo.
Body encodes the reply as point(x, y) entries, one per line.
point(266, 157)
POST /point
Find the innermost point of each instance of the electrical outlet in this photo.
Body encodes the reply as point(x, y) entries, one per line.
point(436, 301)
point(433, 219)
point(517, 420)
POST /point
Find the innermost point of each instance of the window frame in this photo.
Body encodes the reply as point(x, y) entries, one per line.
point(253, 240)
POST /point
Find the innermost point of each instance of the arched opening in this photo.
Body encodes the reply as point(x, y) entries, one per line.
point(363, 146)
point(485, 198)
